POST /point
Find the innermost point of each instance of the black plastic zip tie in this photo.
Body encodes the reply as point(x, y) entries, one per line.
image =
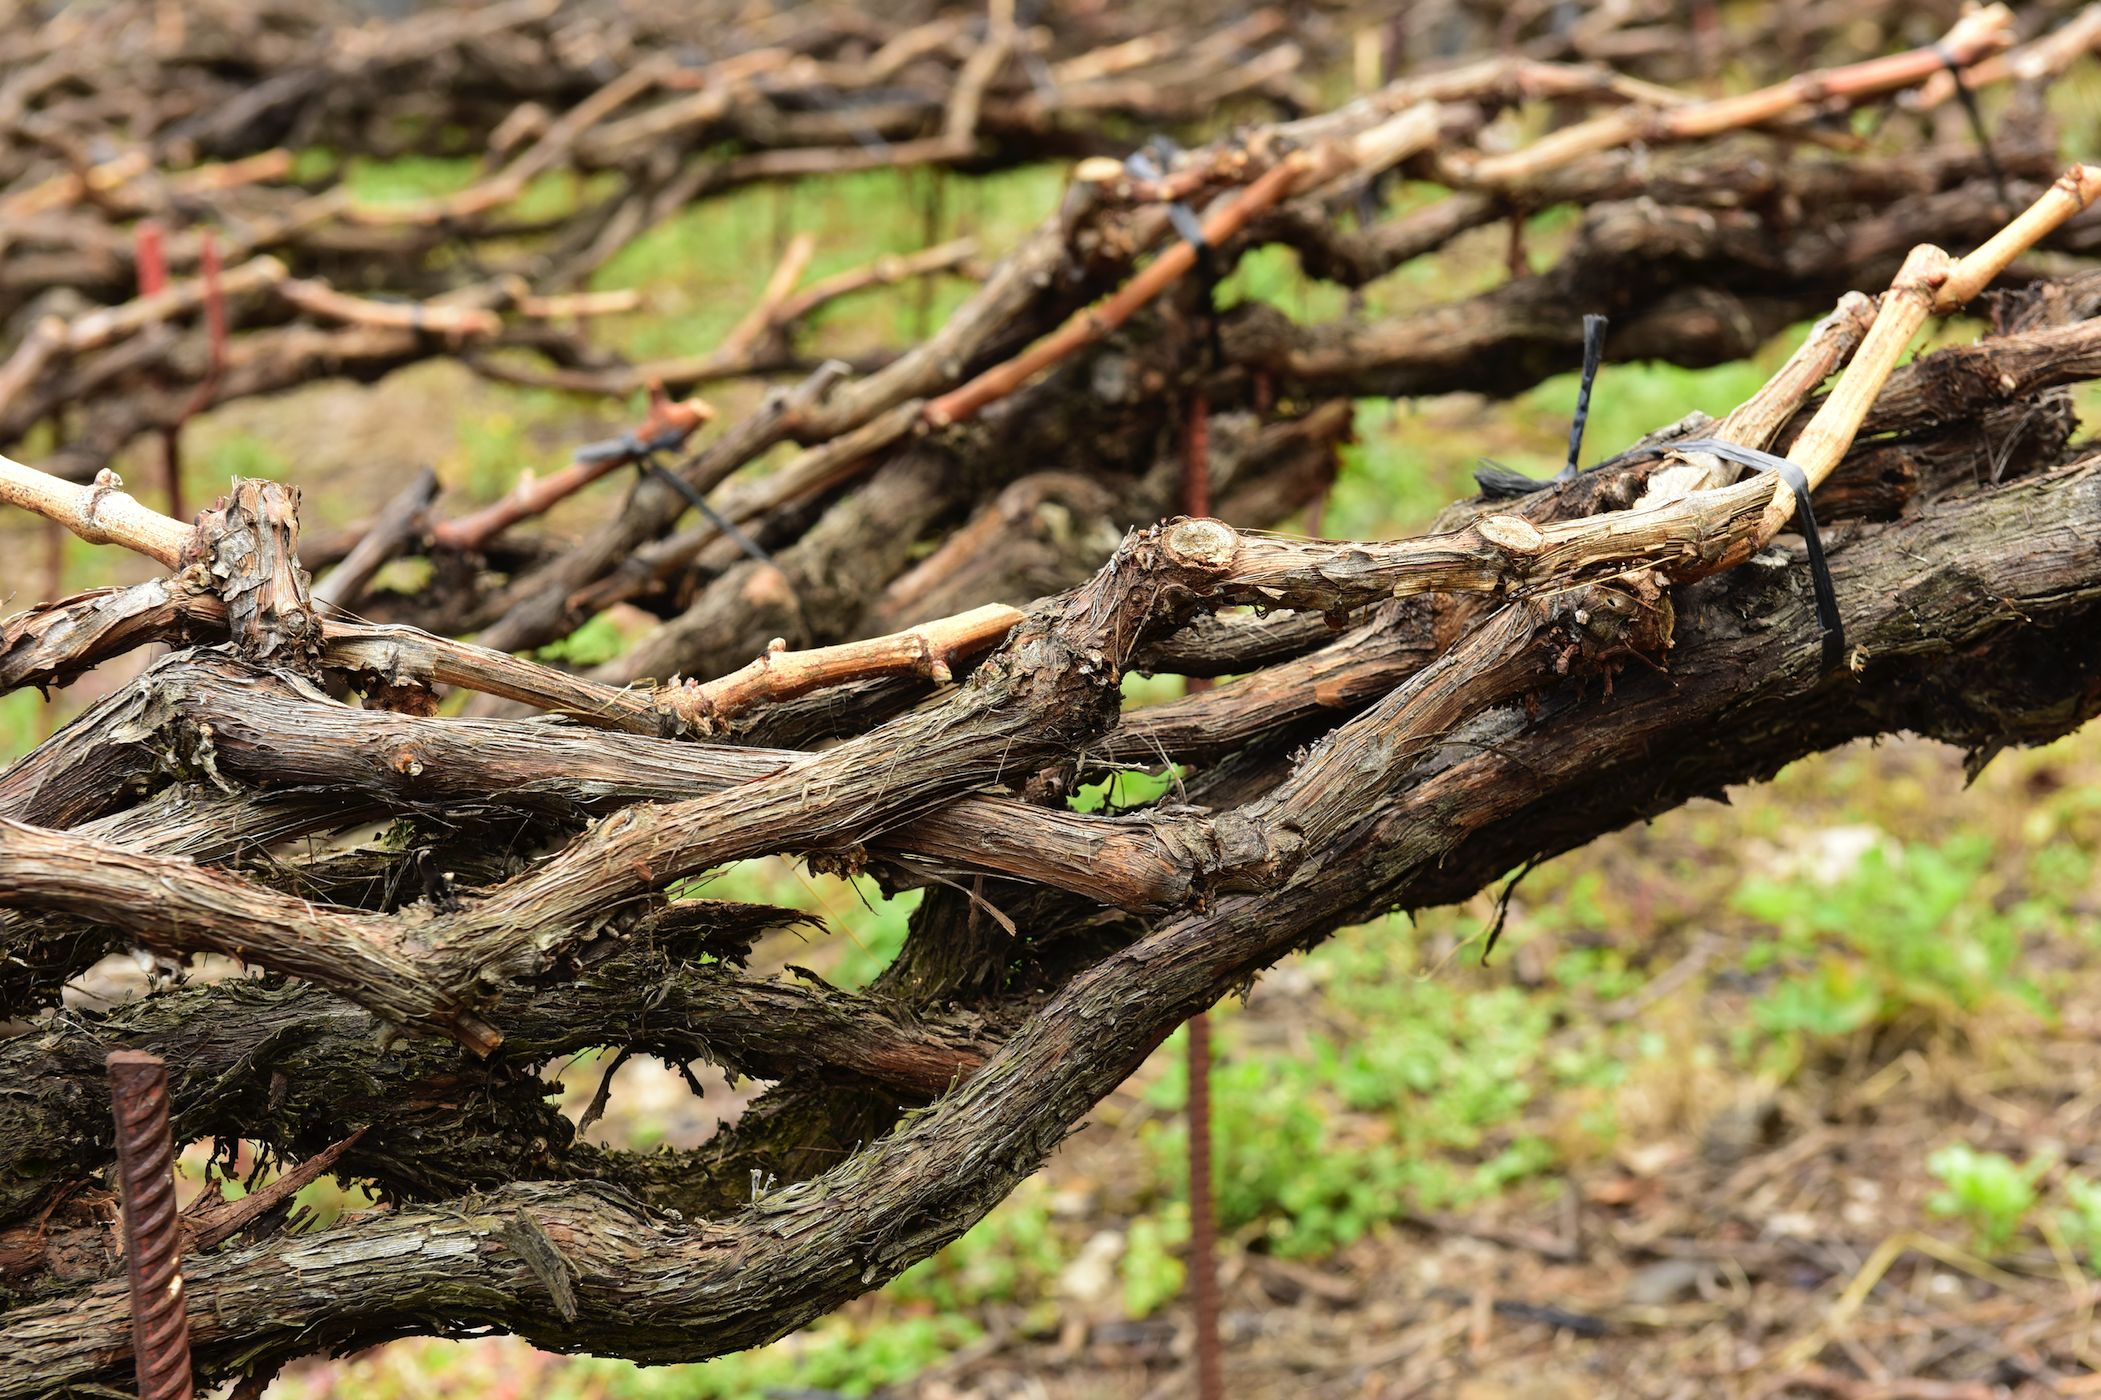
point(1500, 483)
point(699, 503)
point(1593, 356)
point(1819, 570)
point(1188, 226)
point(1189, 229)
point(628, 445)
point(1969, 105)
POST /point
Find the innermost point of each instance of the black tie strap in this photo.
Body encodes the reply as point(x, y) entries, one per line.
point(1969, 105)
point(1498, 482)
point(1189, 229)
point(644, 453)
point(650, 466)
point(1593, 355)
point(1186, 224)
point(1819, 571)
point(630, 445)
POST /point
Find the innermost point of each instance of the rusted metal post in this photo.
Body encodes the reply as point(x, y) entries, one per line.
point(160, 1329)
point(1203, 1220)
point(152, 259)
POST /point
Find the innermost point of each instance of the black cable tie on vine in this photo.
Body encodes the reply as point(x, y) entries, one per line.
point(1500, 483)
point(649, 465)
point(1969, 105)
point(1593, 356)
point(628, 445)
point(1819, 570)
point(1187, 227)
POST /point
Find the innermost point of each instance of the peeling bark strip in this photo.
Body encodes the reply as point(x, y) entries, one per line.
point(252, 539)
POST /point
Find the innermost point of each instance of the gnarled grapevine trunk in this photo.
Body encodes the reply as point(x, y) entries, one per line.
point(1407, 719)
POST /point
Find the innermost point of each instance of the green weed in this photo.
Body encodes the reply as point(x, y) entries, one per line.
point(700, 269)
point(1392, 482)
point(1125, 789)
point(1987, 1190)
point(878, 931)
point(2082, 1223)
point(1272, 274)
point(1916, 930)
point(314, 164)
point(408, 178)
point(1415, 1098)
point(1152, 1274)
point(873, 926)
point(18, 723)
point(593, 644)
point(494, 447)
point(243, 455)
point(833, 1356)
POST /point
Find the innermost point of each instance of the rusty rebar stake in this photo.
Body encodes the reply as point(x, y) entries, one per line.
point(1203, 1211)
point(160, 1328)
point(1203, 1219)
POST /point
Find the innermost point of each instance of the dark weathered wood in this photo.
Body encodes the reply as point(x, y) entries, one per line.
point(1388, 801)
point(441, 1122)
point(397, 522)
point(1691, 284)
point(750, 1276)
point(1034, 700)
point(1378, 750)
point(939, 755)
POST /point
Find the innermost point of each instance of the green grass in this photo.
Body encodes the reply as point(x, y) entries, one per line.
point(700, 270)
point(866, 930)
point(18, 723)
point(242, 455)
point(1917, 929)
point(406, 179)
point(1987, 1190)
point(1414, 1093)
